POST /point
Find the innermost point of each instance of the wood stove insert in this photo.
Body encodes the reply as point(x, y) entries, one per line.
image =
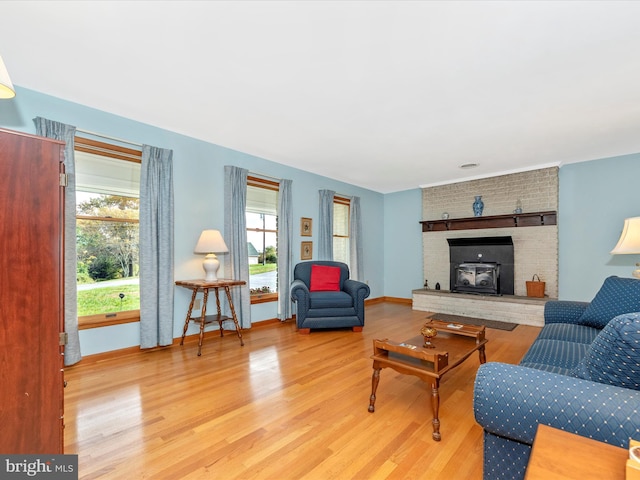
point(481, 265)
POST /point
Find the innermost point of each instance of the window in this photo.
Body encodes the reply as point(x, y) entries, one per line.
point(262, 239)
point(107, 233)
point(341, 211)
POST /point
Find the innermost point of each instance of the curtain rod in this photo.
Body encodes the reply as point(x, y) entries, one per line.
point(108, 137)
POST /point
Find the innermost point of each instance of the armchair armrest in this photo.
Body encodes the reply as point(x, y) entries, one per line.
point(563, 311)
point(299, 292)
point(356, 288)
point(511, 400)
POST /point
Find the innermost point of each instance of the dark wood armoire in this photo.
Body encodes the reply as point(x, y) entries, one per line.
point(31, 294)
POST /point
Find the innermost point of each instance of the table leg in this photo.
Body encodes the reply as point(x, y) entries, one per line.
point(375, 379)
point(483, 357)
point(435, 404)
point(205, 297)
point(186, 322)
point(219, 312)
point(233, 315)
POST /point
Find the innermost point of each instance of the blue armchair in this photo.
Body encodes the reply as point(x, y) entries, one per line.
point(336, 308)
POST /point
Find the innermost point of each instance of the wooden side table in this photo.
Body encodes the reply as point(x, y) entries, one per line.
point(562, 455)
point(204, 286)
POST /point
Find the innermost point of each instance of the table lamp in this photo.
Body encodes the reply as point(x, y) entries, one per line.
point(6, 87)
point(211, 242)
point(629, 242)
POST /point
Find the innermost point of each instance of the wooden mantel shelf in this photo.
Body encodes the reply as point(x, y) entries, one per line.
point(533, 219)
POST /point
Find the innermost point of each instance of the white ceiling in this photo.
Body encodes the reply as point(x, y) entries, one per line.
point(384, 95)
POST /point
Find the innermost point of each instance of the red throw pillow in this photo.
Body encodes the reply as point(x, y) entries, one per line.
point(324, 278)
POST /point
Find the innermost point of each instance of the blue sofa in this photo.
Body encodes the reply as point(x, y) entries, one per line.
point(581, 375)
point(328, 309)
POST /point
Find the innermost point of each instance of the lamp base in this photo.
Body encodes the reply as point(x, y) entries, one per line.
point(636, 272)
point(210, 266)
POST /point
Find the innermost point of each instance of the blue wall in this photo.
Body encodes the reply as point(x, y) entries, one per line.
point(198, 191)
point(595, 198)
point(403, 265)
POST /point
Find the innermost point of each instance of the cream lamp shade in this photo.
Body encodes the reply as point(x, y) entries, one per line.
point(629, 242)
point(211, 242)
point(6, 87)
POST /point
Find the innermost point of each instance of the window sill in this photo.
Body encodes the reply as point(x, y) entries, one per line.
point(264, 298)
point(108, 319)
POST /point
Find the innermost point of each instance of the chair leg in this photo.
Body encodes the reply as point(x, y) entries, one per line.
point(304, 331)
point(357, 329)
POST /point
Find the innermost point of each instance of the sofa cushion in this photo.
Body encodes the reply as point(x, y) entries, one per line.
point(569, 333)
point(324, 278)
point(554, 353)
point(616, 296)
point(614, 356)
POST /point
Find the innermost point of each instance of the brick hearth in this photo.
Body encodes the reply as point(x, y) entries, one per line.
point(507, 308)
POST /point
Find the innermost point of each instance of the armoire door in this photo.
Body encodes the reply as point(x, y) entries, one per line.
point(31, 294)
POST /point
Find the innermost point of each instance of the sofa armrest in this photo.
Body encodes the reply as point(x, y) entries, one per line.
point(563, 311)
point(356, 289)
point(511, 400)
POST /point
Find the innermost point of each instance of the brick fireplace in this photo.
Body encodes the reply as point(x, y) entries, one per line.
point(535, 246)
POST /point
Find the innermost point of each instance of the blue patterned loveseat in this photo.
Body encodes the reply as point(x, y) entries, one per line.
point(581, 375)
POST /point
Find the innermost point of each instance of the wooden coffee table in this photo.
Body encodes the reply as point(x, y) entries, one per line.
point(453, 345)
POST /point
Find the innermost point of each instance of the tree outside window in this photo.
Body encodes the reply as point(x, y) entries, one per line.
point(107, 233)
point(107, 237)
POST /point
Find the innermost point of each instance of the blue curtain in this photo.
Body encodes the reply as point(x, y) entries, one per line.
point(325, 224)
point(156, 247)
point(285, 250)
point(235, 236)
point(355, 241)
point(66, 133)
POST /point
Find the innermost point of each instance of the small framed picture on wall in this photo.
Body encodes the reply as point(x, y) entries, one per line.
point(305, 226)
point(306, 250)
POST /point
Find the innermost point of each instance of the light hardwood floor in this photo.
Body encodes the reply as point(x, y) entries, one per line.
point(284, 406)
